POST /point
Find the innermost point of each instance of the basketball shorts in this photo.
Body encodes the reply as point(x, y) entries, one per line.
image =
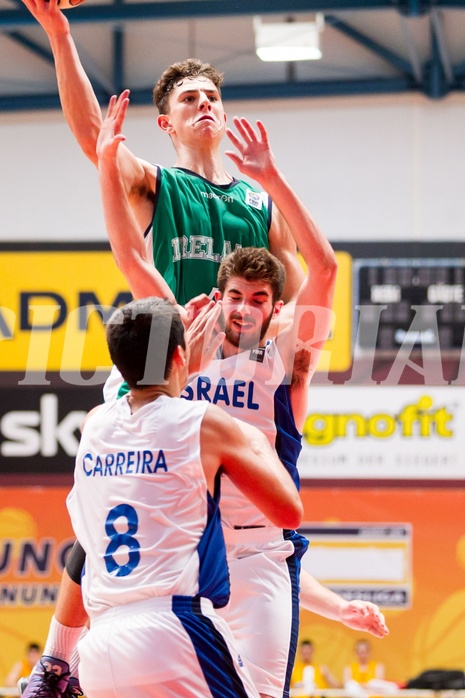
point(164, 647)
point(263, 611)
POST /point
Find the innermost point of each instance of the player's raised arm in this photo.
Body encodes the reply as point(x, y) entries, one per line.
point(254, 158)
point(252, 465)
point(301, 344)
point(127, 244)
point(78, 100)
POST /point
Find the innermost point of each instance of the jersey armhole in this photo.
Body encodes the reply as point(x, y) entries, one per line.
point(155, 202)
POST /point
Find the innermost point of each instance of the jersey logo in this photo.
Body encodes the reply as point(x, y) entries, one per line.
point(257, 354)
point(253, 198)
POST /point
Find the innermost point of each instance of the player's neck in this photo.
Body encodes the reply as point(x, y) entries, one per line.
point(229, 349)
point(139, 398)
point(205, 162)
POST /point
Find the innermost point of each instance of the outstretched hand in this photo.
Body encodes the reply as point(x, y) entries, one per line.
point(253, 156)
point(203, 337)
point(364, 616)
point(111, 135)
point(47, 12)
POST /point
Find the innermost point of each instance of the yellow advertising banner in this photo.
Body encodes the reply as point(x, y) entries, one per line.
point(53, 306)
point(337, 353)
point(36, 535)
point(403, 548)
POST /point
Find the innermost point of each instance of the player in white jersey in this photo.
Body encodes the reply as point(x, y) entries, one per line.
point(144, 507)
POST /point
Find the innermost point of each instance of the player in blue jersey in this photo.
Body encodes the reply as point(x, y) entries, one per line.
point(194, 213)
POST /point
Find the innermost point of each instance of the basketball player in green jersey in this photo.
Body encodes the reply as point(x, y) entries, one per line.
point(194, 214)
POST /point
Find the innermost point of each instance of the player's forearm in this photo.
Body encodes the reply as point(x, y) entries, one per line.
point(80, 106)
point(311, 243)
point(319, 599)
point(126, 240)
point(263, 479)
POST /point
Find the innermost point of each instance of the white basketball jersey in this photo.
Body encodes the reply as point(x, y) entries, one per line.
point(251, 386)
point(141, 509)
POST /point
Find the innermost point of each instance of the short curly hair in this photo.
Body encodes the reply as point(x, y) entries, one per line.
point(253, 264)
point(176, 73)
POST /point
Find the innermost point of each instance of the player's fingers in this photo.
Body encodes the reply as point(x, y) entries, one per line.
point(111, 107)
point(199, 318)
point(234, 157)
point(120, 113)
point(211, 349)
point(263, 132)
point(52, 4)
point(237, 143)
point(122, 100)
point(216, 342)
point(245, 129)
point(204, 311)
point(211, 317)
point(248, 129)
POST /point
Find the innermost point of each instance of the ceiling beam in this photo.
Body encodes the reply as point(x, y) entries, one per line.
point(370, 44)
point(186, 9)
point(322, 88)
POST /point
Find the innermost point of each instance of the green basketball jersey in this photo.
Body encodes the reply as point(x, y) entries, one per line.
point(197, 223)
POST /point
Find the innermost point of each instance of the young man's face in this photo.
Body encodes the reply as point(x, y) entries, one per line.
point(248, 309)
point(195, 110)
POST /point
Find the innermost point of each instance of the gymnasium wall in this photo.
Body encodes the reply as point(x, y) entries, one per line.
point(370, 168)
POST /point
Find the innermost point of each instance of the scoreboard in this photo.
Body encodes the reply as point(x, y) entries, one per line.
point(418, 303)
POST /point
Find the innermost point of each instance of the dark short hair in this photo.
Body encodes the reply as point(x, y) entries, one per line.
point(176, 73)
point(33, 646)
point(143, 335)
point(253, 264)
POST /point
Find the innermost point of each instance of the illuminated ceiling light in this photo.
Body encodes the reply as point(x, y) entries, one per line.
point(288, 41)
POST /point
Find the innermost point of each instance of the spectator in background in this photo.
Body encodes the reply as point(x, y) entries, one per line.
point(24, 666)
point(308, 675)
point(365, 675)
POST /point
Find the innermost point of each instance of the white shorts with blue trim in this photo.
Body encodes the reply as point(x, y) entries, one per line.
point(164, 647)
point(263, 611)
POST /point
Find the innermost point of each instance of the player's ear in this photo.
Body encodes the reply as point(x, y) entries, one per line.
point(277, 308)
point(183, 355)
point(164, 123)
point(179, 355)
point(217, 295)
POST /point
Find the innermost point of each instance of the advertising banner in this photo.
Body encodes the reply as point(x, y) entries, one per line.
point(402, 432)
point(362, 561)
point(36, 536)
point(403, 548)
point(53, 309)
point(40, 427)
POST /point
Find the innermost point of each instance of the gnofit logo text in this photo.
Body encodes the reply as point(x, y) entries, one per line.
point(420, 419)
